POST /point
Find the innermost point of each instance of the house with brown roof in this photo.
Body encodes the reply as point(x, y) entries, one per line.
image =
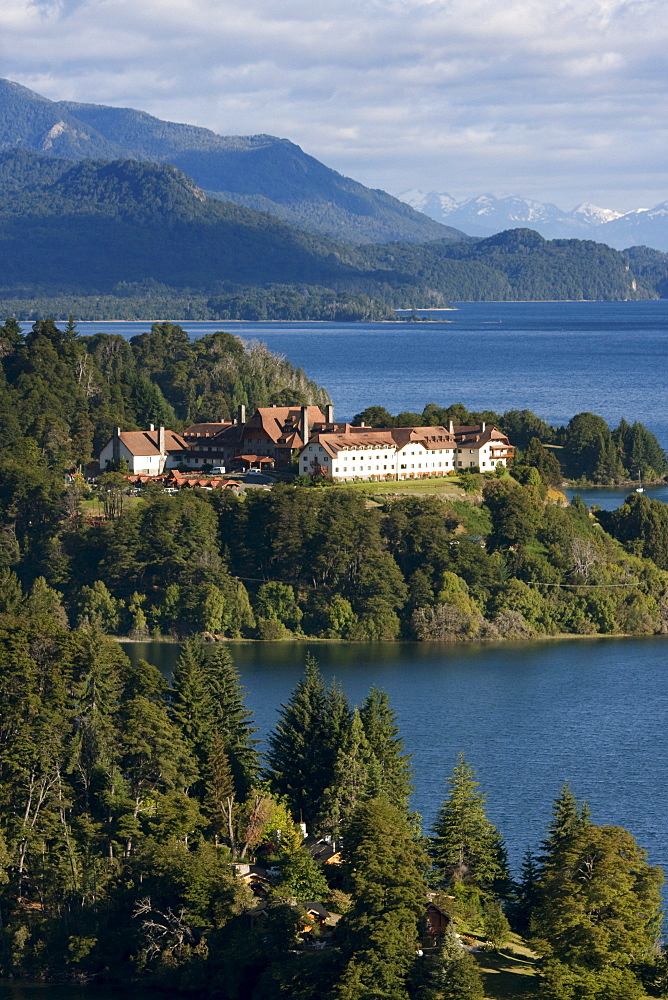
point(146, 452)
point(346, 453)
point(481, 445)
point(270, 437)
point(280, 432)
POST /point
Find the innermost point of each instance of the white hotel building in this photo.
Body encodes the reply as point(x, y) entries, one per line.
point(349, 453)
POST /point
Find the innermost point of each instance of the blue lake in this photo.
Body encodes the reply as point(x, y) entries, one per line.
point(529, 716)
point(555, 358)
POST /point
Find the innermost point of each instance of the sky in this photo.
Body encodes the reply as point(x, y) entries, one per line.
point(559, 100)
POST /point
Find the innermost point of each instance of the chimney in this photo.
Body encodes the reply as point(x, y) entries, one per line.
point(241, 414)
point(483, 427)
point(116, 446)
point(304, 424)
point(151, 427)
point(362, 424)
point(161, 439)
point(451, 427)
point(329, 414)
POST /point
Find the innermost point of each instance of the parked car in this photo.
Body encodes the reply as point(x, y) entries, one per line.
point(218, 470)
point(254, 472)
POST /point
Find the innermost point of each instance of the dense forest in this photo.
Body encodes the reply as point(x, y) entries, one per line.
point(131, 807)
point(62, 394)
point(130, 810)
point(126, 224)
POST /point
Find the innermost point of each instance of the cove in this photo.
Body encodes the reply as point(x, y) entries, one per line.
point(528, 716)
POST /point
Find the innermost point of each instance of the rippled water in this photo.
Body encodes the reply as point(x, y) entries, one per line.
point(529, 716)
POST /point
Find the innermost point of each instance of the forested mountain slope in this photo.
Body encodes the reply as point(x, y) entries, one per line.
point(125, 222)
point(258, 171)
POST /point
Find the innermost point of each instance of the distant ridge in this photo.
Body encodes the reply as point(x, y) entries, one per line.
point(258, 171)
point(92, 227)
point(485, 215)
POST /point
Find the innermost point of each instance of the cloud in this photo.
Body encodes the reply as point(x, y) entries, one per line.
point(563, 100)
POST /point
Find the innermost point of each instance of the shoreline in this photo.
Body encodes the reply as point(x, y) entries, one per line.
point(539, 637)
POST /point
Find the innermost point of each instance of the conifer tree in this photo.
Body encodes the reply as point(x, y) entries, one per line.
point(527, 893)
point(601, 904)
point(467, 847)
point(451, 974)
point(192, 707)
point(568, 817)
point(356, 776)
point(379, 936)
point(220, 793)
point(302, 878)
point(382, 732)
point(304, 745)
point(231, 719)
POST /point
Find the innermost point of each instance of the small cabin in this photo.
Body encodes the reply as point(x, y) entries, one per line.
point(437, 922)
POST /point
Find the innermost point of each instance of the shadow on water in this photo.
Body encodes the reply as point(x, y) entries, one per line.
point(529, 716)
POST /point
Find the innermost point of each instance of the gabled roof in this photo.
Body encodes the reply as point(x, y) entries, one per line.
point(432, 438)
point(144, 443)
point(282, 424)
point(476, 436)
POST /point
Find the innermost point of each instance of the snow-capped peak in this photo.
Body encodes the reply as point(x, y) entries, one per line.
point(594, 215)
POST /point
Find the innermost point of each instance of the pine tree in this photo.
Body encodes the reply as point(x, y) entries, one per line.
point(303, 747)
point(356, 777)
point(527, 893)
point(451, 974)
point(568, 817)
point(231, 719)
point(382, 732)
point(191, 706)
point(220, 792)
point(495, 924)
point(601, 904)
point(379, 936)
point(467, 847)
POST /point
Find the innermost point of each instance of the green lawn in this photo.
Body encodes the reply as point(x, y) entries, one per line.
point(511, 973)
point(92, 508)
point(442, 487)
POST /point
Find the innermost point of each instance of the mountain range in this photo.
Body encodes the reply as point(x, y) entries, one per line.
point(261, 172)
point(485, 215)
point(100, 201)
point(90, 226)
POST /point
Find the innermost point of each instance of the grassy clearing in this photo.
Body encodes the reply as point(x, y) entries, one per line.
point(94, 508)
point(442, 487)
point(510, 974)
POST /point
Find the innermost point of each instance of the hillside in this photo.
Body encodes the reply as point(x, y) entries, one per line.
point(125, 225)
point(257, 171)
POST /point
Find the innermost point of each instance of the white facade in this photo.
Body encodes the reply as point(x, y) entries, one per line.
point(376, 462)
point(486, 456)
point(147, 453)
point(139, 465)
point(358, 453)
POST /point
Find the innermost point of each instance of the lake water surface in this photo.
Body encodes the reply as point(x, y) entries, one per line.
point(555, 358)
point(528, 716)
